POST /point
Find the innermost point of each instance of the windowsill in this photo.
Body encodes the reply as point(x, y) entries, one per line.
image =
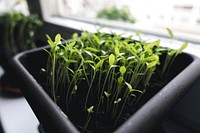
point(16, 115)
point(121, 27)
point(148, 33)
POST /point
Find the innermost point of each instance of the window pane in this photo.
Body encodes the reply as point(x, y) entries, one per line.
point(180, 15)
point(18, 5)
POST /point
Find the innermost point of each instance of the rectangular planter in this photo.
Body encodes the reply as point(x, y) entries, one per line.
point(185, 71)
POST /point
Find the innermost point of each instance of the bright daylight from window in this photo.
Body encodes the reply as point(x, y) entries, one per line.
point(180, 15)
point(17, 5)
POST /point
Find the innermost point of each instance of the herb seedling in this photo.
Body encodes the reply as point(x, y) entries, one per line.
point(171, 55)
point(99, 79)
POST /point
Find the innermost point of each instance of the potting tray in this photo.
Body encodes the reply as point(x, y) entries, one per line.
point(28, 65)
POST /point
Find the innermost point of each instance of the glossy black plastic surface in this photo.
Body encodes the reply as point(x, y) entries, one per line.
point(185, 72)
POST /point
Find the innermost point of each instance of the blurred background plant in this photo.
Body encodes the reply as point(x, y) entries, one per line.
point(17, 33)
point(114, 13)
point(17, 30)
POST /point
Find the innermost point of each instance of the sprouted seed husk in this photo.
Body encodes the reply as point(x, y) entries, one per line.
point(99, 79)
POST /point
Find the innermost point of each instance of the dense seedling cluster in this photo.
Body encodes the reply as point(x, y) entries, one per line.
point(100, 78)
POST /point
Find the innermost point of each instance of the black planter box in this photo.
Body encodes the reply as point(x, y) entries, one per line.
point(185, 71)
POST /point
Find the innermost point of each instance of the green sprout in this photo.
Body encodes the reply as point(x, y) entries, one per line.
point(171, 55)
point(103, 76)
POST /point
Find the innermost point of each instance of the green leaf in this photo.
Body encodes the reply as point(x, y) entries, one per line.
point(90, 109)
point(96, 38)
point(50, 42)
point(92, 49)
point(120, 80)
point(43, 70)
point(152, 44)
point(89, 53)
point(138, 32)
point(122, 70)
point(107, 94)
point(152, 64)
point(124, 60)
point(111, 59)
point(58, 38)
point(75, 35)
point(84, 35)
point(118, 100)
point(114, 66)
point(183, 46)
point(72, 43)
point(121, 54)
point(72, 61)
point(131, 57)
point(92, 67)
point(99, 64)
point(129, 87)
point(139, 91)
point(89, 61)
point(75, 89)
point(52, 45)
point(117, 51)
point(133, 95)
point(172, 52)
point(170, 32)
point(152, 58)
